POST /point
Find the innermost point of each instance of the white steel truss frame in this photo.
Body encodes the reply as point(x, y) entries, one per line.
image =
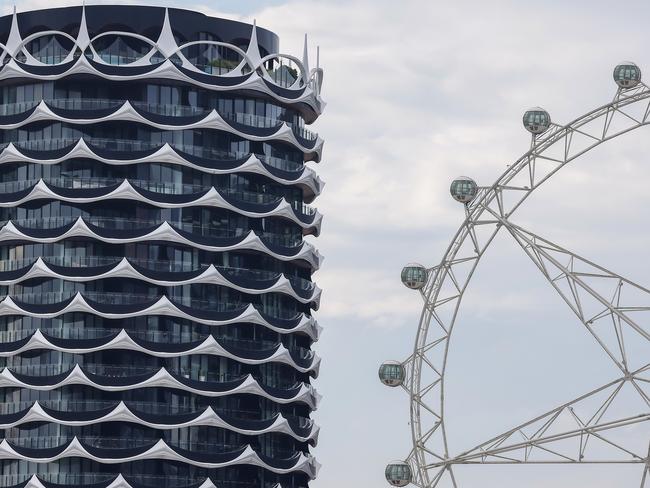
point(430, 460)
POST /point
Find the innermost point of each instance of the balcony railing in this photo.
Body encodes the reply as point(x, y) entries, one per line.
point(152, 408)
point(154, 186)
point(126, 145)
point(303, 133)
point(16, 108)
point(70, 331)
point(119, 223)
point(154, 265)
point(74, 104)
point(121, 371)
point(146, 481)
point(251, 120)
point(111, 298)
point(170, 110)
point(47, 442)
point(107, 298)
point(154, 336)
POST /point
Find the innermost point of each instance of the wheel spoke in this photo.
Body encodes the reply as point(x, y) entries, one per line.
point(646, 469)
point(594, 435)
point(577, 280)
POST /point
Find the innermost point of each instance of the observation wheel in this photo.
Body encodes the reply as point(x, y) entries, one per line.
point(613, 310)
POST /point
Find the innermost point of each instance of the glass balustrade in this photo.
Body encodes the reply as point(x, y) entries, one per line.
point(155, 187)
point(169, 110)
point(108, 298)
point(303, 133)
point(123, 145)
point(16, 108)
point(201, 375)
point(251, 120)
point(119, 371)
point(117, 59)
point(47, 442)
point(85, 104)
point(145, 481)
point(153, 408)
point(155, 265)
point(153, 336)
point(156, 337)
point(119, 223)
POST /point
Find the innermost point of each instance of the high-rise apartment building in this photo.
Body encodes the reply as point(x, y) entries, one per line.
point(156, 323)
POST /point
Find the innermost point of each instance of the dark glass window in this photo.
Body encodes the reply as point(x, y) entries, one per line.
point(120, 49)
point(50, 48)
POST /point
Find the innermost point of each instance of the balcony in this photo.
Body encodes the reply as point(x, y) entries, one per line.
point(118, 223)
point(134, 146)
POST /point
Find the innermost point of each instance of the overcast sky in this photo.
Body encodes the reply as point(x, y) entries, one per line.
point(419, 92)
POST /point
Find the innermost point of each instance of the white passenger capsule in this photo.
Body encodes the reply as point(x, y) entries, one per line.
point(463, 189)
point(536, 120)
point(392, 373)
point(627, 75)
point(398, 473)
point(414, 276)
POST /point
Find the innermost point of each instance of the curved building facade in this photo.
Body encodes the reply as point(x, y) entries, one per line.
point(156, 323)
